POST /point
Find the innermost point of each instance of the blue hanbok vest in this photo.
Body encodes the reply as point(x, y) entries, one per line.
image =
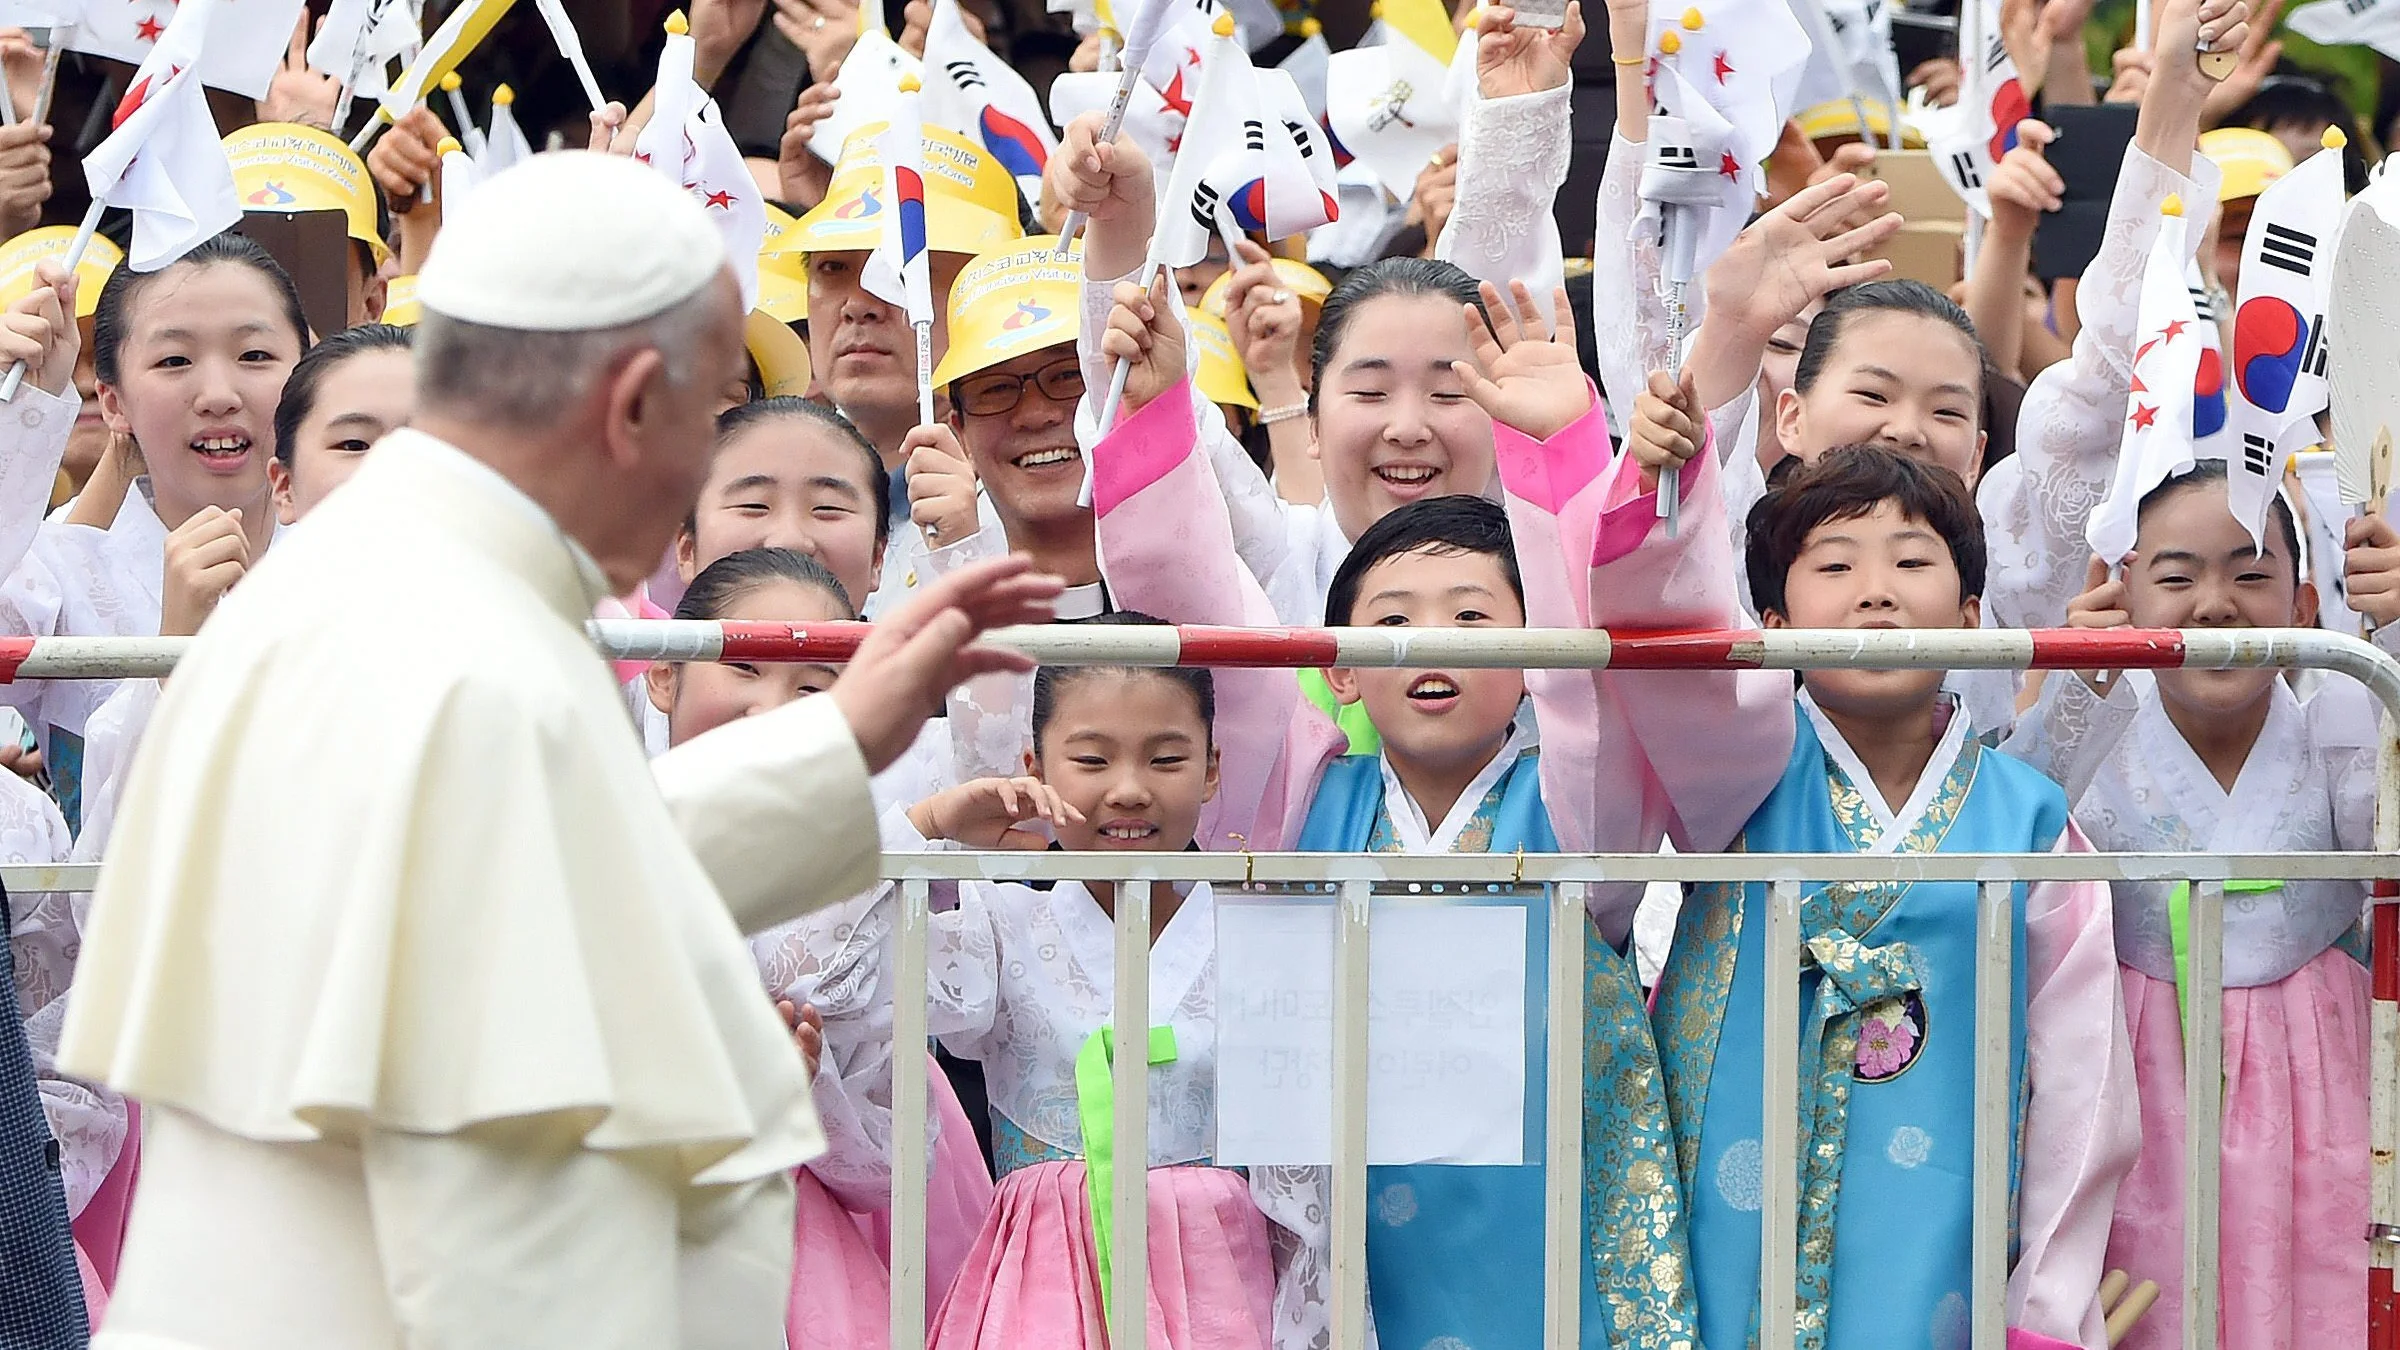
point(1887, 1038)
point(1454, 1254)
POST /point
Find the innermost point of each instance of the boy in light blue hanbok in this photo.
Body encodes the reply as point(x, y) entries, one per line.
point(1454, 1253)
point(1884, 762)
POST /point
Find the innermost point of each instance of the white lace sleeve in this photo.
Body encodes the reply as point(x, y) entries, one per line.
point(962, 980)
point(1298, 1201)
point(2036, 503)
point(2072, 730)
point(840, 960)
point(1630, 327)
point(1512, 159)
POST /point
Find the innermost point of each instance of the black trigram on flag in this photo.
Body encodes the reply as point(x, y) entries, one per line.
point(2204, 305)
point(2357, 7)
point(1995, 55)
point(964, 74)
point(2292, 250)
point(1969, 173)
point(1254, 136)
point(2258, 454)
point(2312, 358)
point(1301, 138)
point(1669, 155)
point(1204, 206)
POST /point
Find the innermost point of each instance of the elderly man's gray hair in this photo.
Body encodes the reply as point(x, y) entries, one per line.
point(511, 377)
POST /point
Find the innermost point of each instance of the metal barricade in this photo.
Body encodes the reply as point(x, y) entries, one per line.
point(1562, 881)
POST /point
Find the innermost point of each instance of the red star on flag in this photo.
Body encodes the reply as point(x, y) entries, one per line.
point(1723, 67)
point(721, 201)
point(641, 156)
point(1728, 165)
point(2143, 416)
point(1173, 95)
point(2172, 331)
point(2138, 386)
point(149, 29)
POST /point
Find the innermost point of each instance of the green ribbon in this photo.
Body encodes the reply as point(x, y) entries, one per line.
point(2179, 930)
point(1095, 1107)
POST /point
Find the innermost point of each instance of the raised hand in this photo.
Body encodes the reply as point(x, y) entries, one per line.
point(1264, 318)
point(1142, 331)
point(988, 813)
point(39, 330)
point(925, 648)
point(2024, 185)
point(719, 28)
point(1525, 373)
point(298, 93)
point(823, 30)
point(2371, 567)
point(406, 157)
point(1510, 60)
point(206, 555)
point(1802, 251)
point(804, 175)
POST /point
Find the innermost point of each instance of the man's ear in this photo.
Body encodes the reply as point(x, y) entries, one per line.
point(1343, 682)
point(659, 682)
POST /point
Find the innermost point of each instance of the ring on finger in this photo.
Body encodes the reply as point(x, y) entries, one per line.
point(820, 23)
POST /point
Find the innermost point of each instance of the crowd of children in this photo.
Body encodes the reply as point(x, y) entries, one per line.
point(1451, 425)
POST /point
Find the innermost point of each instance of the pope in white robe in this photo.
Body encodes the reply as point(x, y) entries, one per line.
point(436, 998)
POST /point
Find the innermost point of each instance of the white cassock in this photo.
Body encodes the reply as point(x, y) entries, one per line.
point(437, 1001)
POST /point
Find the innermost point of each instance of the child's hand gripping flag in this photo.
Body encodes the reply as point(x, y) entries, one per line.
point(2157, 439)
point(898, 272)
point(967, 86)
point(686, 140)
point(1969, 141)
point(163, 161)
point(2279, 362)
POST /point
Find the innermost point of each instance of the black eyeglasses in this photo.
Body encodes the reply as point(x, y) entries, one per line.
point(996, 393)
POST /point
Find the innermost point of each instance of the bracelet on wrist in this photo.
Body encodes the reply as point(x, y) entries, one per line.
point(1268, 417)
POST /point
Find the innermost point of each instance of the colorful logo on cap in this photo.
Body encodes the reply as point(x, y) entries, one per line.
point(2270, 339)
point(1028, 313)
point(866, 204)
point(2208, 395)
point(272, 194)
point(2009, 107)
point(1012, 143)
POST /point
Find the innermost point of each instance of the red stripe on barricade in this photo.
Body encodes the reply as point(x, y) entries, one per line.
point(13, 652)
point(827, 643)
point(2383, 1309)
point(1258, 649)
point(2384, 942)
point(2106, 649)
point(1718, 649)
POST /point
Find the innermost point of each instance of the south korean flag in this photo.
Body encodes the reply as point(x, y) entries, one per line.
point(1969, 141)
point(2279, 357)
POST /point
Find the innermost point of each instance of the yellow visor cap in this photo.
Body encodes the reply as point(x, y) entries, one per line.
point(970, 201)
point(779, 354)
point(1220, 376)
point(284, 166)
point(1840, 118)
point(782, 294)
point(50, 244)
point(777, 241)
point(1009, 302)
point(2249, 159)
point(1290, 273)
point(400, 302)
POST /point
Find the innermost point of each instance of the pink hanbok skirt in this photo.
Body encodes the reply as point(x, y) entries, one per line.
point(1031, 1281)
point(841, 1268)
point(2293, 1210)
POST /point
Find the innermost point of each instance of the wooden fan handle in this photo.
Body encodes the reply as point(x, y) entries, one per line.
point(2130, 1311)
point(2218, 65)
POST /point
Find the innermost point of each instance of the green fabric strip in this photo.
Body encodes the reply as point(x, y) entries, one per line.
point(1095, 1106)
point(2179, 930)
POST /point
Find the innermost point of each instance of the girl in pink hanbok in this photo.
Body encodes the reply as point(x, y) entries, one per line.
point(831, 972)
point(2233, 761)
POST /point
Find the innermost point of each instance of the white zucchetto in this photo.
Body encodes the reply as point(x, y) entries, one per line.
point(570, 242)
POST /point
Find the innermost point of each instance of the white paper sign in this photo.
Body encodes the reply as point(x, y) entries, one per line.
point(1445, 1033)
